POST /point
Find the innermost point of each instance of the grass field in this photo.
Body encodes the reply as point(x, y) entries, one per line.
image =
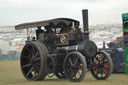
point(10, 74)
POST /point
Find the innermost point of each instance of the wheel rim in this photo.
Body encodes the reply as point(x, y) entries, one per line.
point(31, 62)
point(100, 67)
point(73, 67)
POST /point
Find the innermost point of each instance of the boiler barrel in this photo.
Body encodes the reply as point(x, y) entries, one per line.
point(67, 49)
point(86, 47)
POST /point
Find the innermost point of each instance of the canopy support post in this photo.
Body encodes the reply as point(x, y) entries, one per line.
point(27, 35)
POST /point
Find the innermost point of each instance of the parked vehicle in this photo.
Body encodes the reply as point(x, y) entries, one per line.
point(63, 50)
point(116, 51)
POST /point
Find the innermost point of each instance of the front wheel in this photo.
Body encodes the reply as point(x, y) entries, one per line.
point(102, 66)
point(75, 66)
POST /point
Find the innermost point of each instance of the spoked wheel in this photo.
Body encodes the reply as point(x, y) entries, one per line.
point(75, 66)
point(51, 66)
point(60, 75)
point(33, 61)
point(102, 66)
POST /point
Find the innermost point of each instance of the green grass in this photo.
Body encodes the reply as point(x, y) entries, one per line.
point(10, 74)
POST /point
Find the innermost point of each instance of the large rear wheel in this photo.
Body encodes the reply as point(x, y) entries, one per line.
point(102, 66)
point(33, 61)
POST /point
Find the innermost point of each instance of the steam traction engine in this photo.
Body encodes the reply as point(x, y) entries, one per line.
point(63, 50)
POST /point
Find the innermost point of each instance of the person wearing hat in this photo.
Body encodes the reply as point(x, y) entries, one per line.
point(125, 37)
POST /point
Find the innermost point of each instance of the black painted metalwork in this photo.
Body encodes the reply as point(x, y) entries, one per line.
point(62, 49)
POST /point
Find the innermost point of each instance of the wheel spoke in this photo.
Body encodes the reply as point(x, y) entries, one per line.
point(26, 57)
point(105, 62)
point(97, 68)
point(72, 73)
point(36, 71)
point(37, 59)
point(35, 55)
point(79, 73)
point(33, 49)
point(70, 61)
point(75, 77)
point(28, 50)
point(102, 73)
point(29, 71)
point(103, 58)
point(37, 68)
point(76, 60)
point(27, 65)
point(97, 72)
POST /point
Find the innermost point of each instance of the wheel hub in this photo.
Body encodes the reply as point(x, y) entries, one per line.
point(73, 66)
point(101, 66)
point(32, 61)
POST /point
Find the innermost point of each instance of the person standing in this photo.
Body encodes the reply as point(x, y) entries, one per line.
point(125, 37)
point(38, 31)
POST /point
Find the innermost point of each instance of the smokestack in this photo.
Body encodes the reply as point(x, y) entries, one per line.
point(85, 23)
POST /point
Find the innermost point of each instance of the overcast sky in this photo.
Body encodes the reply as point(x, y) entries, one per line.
point(13, 12)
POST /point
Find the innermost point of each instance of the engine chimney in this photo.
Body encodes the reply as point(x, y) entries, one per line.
point(85, 23)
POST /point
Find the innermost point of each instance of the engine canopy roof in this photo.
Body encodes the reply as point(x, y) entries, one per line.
point(53, 23)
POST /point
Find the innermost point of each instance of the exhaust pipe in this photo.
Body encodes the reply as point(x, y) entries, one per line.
point(85, 23)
